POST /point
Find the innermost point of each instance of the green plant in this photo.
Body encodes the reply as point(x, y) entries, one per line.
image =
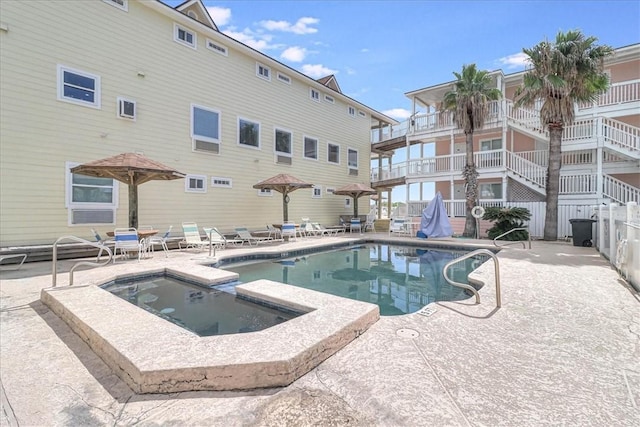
point(507, 219)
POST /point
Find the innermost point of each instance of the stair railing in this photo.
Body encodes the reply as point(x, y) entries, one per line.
point(514, 242)
point(469, 287)
point(54, 273)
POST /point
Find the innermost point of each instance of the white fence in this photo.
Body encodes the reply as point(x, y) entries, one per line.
point(618, 239)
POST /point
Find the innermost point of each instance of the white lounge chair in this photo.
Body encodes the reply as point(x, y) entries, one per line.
point(243, 234)
point(160, 240)
point(289, 231)
point(218, 240)
point(325, 231)
point(192, 237)
point(126, 240)
point(399, 226)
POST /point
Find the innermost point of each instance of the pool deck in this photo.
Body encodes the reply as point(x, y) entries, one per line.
point(564, 349)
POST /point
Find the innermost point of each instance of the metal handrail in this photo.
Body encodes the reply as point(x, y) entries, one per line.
point(54, 273)
point(469, 287)
point(515, 242)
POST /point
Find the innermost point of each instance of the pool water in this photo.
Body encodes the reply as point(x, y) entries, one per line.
point(201, 310)
point(399, 279)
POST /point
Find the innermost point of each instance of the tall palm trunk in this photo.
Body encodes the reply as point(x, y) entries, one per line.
point(553, 181)
point(471, 191)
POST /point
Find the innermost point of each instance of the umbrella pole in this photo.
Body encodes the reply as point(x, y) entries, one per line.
point(355, 207)
point(285, 207)
point(133, 206)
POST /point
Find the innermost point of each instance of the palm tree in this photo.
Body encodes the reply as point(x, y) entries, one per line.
point(469, 103)
point(561, 73)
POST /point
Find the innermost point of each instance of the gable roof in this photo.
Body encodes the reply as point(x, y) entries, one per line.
point(194, 9)
point(331, 82)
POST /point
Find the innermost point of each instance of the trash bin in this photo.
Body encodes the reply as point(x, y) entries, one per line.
point(581, 229)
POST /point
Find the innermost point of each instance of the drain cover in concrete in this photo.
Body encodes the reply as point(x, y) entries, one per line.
point(407, 333)
point(427, 311)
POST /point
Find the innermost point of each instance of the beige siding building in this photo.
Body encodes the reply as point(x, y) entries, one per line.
point(85, 80)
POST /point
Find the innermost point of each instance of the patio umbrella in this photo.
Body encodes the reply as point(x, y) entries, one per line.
point(132, 169)
point(356, 191)
point(284, 184)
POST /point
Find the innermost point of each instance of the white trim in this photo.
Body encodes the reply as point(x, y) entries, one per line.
point(347, 203)
point(317, 188)
point(329, 152)
point(275, 149)
point(219, 48)
point(314, 94)
point(189, 189)
point(330, 99)
point(116, 3)
point(491, 139)
point(330, 190)
point(176, 31)
point(304, 155)
point(357, 158)
point(255, 122)
point(204, 137)
point(351, 110)
point(284, 78)
point(70, 205)
point(265, 192)
point(61, 69)
point(120, 114)
point(225, 182)
point(263, 72)
point(362, 114)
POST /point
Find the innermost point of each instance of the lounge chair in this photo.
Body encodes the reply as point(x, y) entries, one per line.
point(274, 233)
point(289, 231)
point(356, 225)
point(126, 240)
point(192, 237)
point(325, 231)
point(160, 240)
point(309, 230)
point(243, 234)
point(104, 242)
point(399, 226)
point(218, 240)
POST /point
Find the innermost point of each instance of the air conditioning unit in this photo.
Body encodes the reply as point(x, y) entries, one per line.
point(353, 172)
point(126, 109)
point(209, 147)
point(283, 160)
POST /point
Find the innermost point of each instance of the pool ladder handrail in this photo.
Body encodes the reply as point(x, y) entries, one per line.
point(495, 240)
point(469, 287)
point(54, 273)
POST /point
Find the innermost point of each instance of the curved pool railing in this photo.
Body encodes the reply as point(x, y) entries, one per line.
point(495, 241)
point(54, 273)
point(469, 287)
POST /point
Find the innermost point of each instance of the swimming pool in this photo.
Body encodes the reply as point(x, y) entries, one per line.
point(399, 279)
point(204, 311)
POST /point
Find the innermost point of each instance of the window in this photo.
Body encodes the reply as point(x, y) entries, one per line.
point(490, 191)
point(120, 4)
point(218, 48)
point(184, 36)
point(362, 114)
point(352, 156)
point(220, 182)
point(329, 99)
point(78, 87)
point(351, 111)
point(284, 78)
point(333, 153)
point(330, 190)
point(310, 148)
point(126, 108)
point(314, 94)
point(90, 200)
point(265, 192)
point(195, 184)
point(317, 192)
point(283, 142)
point(491, 144)
point(205, 129)
point(263, 71)
point(248, 133)
point(347, 203)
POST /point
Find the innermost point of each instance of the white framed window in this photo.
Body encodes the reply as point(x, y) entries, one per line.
point(362, 114)
point(490, 190)
point(284, 78)
point(352, 156)
point(310, 148)
point(263, 71)
point(78, 87)
point(248, 133)
point(120, 4)
point(330, 190)
point(205, 129)
point(317, 192)
point(351, 111)
point(126, 108)
point(491, 144)
point(217, 47)
point(184, 36)
point(195, 184)
point(220, 182)
point(283, 142)
point(265, 192)
point(90, 200)
point(314, 94)
point(333, 153)
point(347, 203)
point(329, 99)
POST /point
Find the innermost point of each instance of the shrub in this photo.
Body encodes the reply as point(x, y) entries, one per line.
point(507, 219)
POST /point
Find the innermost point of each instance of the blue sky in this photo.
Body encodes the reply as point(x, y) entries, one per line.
point(379, 50)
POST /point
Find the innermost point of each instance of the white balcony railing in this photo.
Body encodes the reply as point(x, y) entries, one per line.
point(619, 191)
point(618, 93)
point(621, 134)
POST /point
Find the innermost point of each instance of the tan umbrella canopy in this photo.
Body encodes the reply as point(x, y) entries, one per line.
point(132, 169)
point(356, 191)
point(284, 184)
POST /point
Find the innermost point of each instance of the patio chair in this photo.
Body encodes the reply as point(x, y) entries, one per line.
point(398, 227)
point(192, 237)
point(160, 240)
point(309, 230)
point(289, 231)
point(243, 234)
point(370, 222)
point(104, 242)
point(274, 233)
point(126, 240)
point(356, 225)
point(325, 231)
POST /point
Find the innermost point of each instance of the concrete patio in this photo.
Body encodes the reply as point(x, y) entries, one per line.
point(564, 349)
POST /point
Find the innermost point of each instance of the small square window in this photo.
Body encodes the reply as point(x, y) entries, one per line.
point(351, 111)
point(120, 4)
point(330, 190)
point(310, 148)
point(362, 113)
point(284, 78)
point(248, 133)
point(217, 48)
point(220, 182)
point(126, 108)
point(195, 184)
point(265, 192)
point(184, 36)
point(315, 95)
point(329, 99)
point(78, 87)
point(317, 192)
point(263, 71)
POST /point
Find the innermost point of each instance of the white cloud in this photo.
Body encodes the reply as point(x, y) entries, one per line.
point(294, 54)
point(257, 41)
point(517, 60)
point(302, 26)
point(317, 70)
point(350, 71)
point(364, 50)
point(220, 15)
point(398, 113)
